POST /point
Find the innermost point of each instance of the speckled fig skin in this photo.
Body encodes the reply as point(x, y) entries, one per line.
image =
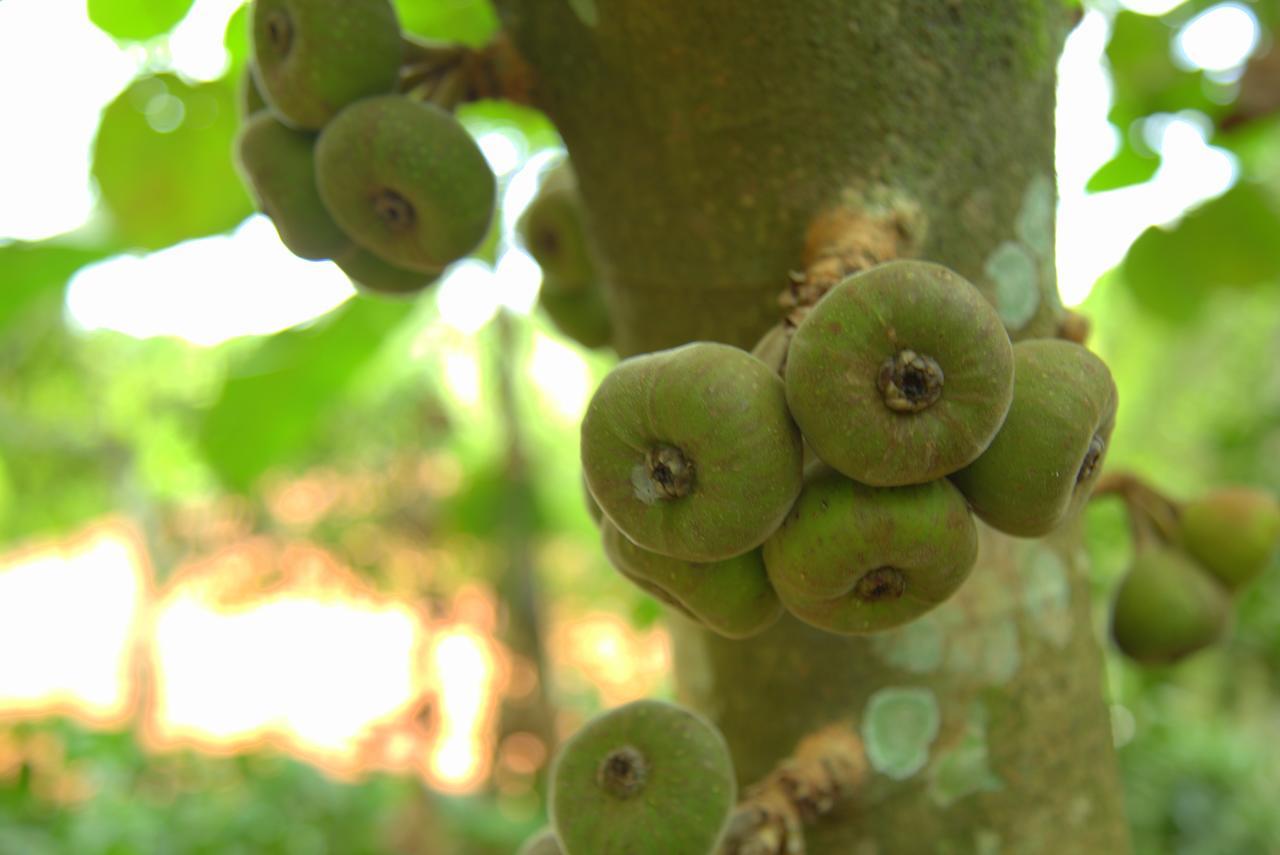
point(277, 165)
point(405, 180)
point(648, 778)
point(1232, 532)
point(853, 559)
point(314, 57)
point(542, 843)
point(732, 597)
point(836, 374)
point(1167, 608)
point(579, 313)
point(723, 413)
point(1042, 465)
point(368, 272)
point(553, 230)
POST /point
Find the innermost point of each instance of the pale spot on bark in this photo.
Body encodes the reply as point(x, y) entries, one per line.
point(1012, 269)
point(898, 726)
point(1047, 594)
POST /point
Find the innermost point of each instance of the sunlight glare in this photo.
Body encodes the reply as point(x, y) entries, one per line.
point(464, 667)
point(197, 45)
point(561, 376)
point(1218, 39)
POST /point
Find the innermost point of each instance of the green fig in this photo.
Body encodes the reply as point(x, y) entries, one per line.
point(593, 507)
point(278, 166)
point(1166, 608)
point(1042, 465)
point(854, 559)
point(542, 843)
point(732, 597)
point(691, 452)
point(553, 230)
point(580, 314)
point(251, 100)
point(1232, 532)
point(901, 374)
point(371, 273)
point(648, 778)
point(314, 57)
point(406, 181)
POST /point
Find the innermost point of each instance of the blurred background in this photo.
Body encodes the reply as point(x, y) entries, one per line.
point(284, 570)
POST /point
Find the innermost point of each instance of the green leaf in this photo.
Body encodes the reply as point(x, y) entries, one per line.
point(163, 161)
point(1127, 168)
point(469, 21)
point(1230, 241)
point(236, 38)
point(34, 269)
point(137, 20)
point(1145, 77)
point(273, 407)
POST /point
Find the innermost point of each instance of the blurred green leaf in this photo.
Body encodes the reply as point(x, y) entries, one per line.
point(236, 38)
point(1144, 75)
point(1127, 168)
point(137, 20)
point(33, 269)
point(1231, 241)
point(469, 21)
point(163, 161)
point(271, 409)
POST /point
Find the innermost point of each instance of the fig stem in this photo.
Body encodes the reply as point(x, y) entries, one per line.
point(910, 382)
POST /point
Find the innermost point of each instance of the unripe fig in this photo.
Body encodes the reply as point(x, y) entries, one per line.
point(553, 230)
point(1166, 608)
point(278, 166)
point(370, 273)
point(542, 843)
point(732, 597)
point(901, 374)
point(648, 778)
point(856, 559)
point(691, 452)
point(581, 313)
point(314, 57)
point(406, 181)
point(1042, 465)
point(593, 507)
point(251, 100)
point(1232, 533)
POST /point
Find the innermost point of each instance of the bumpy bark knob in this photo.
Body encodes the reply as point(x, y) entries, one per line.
point(648, 778)
point(901, 374)
point(691, 452)
point(1042, 465)
point(732, 597)
point(1233, 533)
point(1167, 608)
point(406, 181)
point(314, 57)
point(856, 559)
point(278, 166)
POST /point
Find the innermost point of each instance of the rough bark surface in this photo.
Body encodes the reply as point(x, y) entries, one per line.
point(708, 137)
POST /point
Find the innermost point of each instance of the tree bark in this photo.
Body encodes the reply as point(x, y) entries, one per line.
point(712, 140)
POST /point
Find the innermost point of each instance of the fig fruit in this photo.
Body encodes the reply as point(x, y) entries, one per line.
point(1232, 532)
point(691, 452)
point(542, 843)
point(901, 374)
point(855, 559)
point(406, 181)
point(648, 778)
point(580, 314)
point(250, 96)
point(278, 166)
point(370, 273)
point(1042, 465)
point(314, 57)
point(1167, 608)
point(553, 230)
point(732, 597)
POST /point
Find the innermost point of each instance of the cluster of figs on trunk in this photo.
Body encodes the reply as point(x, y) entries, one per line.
point(1176, 597)
point(391, 188)
point(838, 477)
point(646, 778)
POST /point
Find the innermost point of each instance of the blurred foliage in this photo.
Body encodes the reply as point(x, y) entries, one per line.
point(369, 394)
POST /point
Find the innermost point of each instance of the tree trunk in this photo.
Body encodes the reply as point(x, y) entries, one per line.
point(712, 140)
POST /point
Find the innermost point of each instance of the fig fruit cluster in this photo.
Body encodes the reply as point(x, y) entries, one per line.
point(1176, 597)
point(916, 414)
point(390, 188)
point(553, 230)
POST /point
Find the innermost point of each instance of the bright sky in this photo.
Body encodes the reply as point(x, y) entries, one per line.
point(45, 187)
